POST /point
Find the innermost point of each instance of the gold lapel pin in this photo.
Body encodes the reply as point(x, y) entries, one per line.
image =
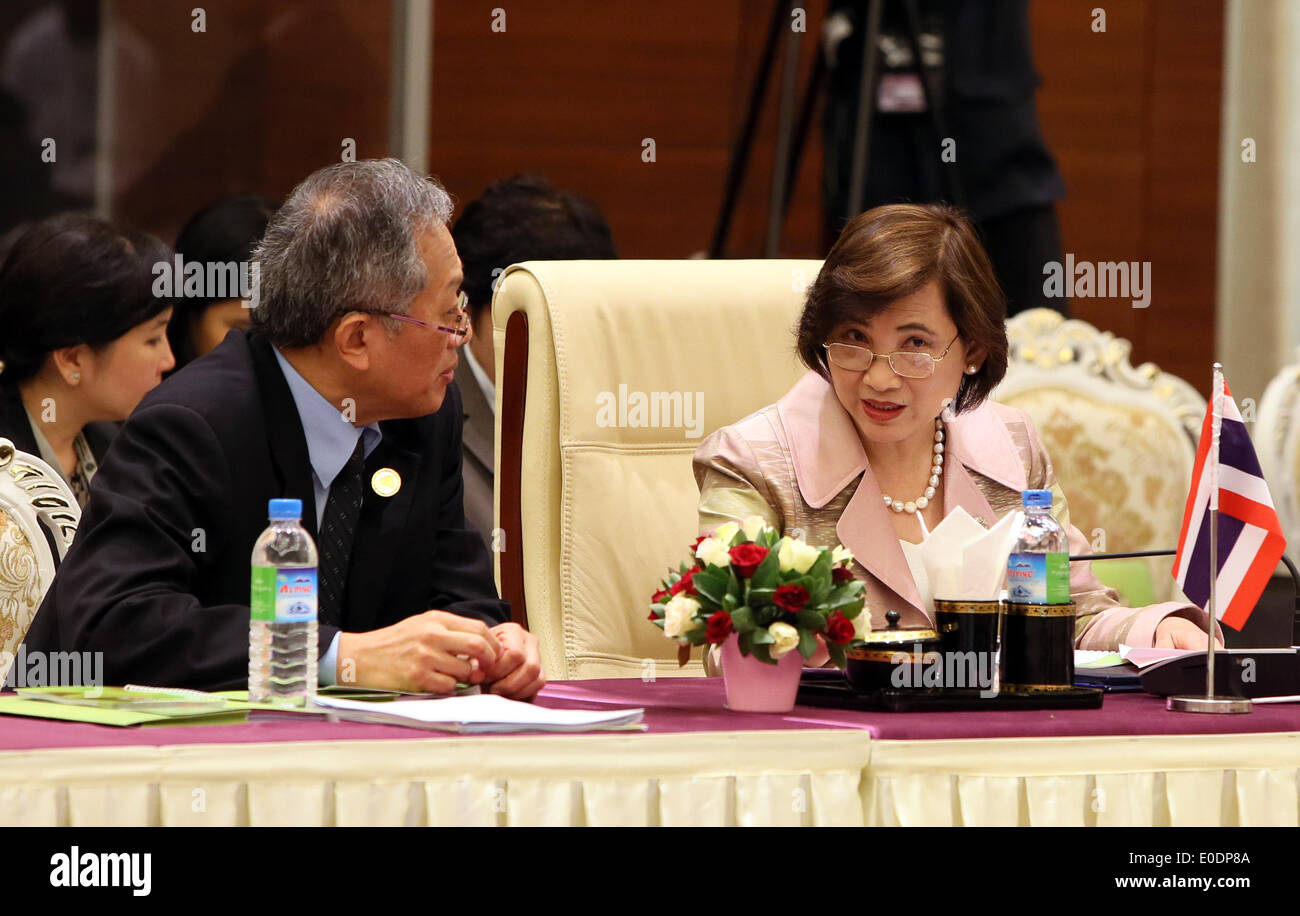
point(386, 482)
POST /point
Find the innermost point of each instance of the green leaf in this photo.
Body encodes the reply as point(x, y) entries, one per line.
point(767, 615)
point(762, 637)
point(760, 596)
point(843, 596)
point(811, 620)
point(768, 571)
point(763, 654)
point(711, 584)
point(807, 643)
point(742, 620)
point(821, 569)
point(728, 602)
point(745, 643)
point(837, 654)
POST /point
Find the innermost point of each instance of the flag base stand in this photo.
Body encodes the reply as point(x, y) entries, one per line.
point(1209, 704)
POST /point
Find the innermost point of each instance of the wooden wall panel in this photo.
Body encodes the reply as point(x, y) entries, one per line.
point(255, 103)
point(571, 89)
point(1132, 116)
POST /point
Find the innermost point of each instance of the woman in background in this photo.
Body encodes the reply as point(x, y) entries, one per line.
point(904, 333)
point(84, 338)
point(224, 232)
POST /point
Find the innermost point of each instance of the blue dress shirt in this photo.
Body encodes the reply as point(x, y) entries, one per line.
point(331, 439)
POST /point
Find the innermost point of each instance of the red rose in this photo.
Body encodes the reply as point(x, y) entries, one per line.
point(841, 574)
point(791, 598)
point(652, 616)
point(746, 558)
point(684, 584)
point(718, 627)
point(696, 546)
point(659, 596)
point(839, 629)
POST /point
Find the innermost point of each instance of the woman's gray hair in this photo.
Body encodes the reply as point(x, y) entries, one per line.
point(345, 240)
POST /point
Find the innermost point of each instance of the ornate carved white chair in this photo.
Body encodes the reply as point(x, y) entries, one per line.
point(1122, 440)
point(34, 500)
point(1277, 440)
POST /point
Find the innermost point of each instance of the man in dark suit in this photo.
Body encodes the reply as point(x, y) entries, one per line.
point(341, 395)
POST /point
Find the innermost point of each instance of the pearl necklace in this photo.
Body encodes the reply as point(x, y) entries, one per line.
point(935, 471)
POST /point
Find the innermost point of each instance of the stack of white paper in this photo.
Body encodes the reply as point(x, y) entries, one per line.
point(479, 714)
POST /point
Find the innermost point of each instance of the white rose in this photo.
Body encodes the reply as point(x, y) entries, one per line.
point(796, 555)
point(841, 554)
point(786, 636)
point(713, 552)
point(862, 624)
point(679, 616)
point(753, 526)
point(726, 531)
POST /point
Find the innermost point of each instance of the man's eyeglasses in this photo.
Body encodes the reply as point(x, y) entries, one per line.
point(460, 328)
point(904, 363)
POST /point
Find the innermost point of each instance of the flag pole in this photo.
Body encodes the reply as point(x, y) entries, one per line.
point(1209, 702)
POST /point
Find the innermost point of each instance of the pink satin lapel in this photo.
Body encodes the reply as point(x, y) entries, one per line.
point(959, 489)
point(865, 529)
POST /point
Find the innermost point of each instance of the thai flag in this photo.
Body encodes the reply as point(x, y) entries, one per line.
point(1227, 477)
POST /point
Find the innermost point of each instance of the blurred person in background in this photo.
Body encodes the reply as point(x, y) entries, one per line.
point(224, 232)
point(523, 218)
point(84, 339)
point(981, 56)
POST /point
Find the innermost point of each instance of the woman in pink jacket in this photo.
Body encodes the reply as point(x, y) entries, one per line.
point(904, 333)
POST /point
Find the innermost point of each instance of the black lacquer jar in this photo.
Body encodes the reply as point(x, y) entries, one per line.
point(1038, 648)
point(891, 658)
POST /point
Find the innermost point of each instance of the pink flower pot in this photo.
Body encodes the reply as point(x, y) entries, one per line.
point(753, 686)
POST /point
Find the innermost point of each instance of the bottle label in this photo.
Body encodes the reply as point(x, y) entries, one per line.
point(284, 595)
point(1038, 578)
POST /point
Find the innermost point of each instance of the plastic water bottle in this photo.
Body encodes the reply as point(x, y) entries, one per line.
point(1038, 571)
point(282, 629)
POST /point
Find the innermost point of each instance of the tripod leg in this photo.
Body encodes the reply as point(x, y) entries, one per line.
point(745, 140)
point(780, 165)
point(866, 109)
point(815, 83)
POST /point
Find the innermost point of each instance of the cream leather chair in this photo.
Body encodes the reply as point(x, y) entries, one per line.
point(1277, 441)
point(593, 506)
point(1122, 440)
point(33, 499)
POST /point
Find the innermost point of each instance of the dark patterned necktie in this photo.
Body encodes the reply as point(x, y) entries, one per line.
point(338, 525)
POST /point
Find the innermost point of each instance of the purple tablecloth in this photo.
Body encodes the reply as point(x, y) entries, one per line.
point(694, 705)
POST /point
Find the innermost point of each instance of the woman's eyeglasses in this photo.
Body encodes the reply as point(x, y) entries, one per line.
point(460, 328)
point(904, 363)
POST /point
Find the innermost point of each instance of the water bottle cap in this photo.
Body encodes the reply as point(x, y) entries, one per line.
point(1037, 499)
point(285, 508)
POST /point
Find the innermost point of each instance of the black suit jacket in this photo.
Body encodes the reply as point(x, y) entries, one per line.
point(15, 427)
point(158, 577)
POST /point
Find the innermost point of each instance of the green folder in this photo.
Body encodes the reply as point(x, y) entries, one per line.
point(120, 707)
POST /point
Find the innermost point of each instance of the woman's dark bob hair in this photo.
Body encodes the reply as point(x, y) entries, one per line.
point(74, 279)
point(892, 251)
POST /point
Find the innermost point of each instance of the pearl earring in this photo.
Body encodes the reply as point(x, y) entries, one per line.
point(76, 377)
point(971, 370)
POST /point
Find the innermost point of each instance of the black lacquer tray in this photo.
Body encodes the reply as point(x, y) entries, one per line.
point(831, 689)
